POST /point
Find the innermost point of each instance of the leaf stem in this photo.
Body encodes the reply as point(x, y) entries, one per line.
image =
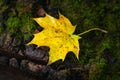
point(92, 30)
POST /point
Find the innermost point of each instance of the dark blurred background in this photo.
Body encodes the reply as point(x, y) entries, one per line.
point(99, 52)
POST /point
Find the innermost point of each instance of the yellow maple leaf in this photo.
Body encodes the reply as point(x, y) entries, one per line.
point(58, 35)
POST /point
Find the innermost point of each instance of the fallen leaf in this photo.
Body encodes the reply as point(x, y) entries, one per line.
point(58, 36)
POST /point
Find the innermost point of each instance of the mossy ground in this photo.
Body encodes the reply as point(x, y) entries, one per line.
point(99, 51)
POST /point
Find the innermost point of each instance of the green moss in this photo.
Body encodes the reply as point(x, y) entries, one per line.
point(27, 26)
point(17, 20)
point(96, 68)
point(1, 29)
point(13, 24)
point(96, 46)
point(99, 50)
